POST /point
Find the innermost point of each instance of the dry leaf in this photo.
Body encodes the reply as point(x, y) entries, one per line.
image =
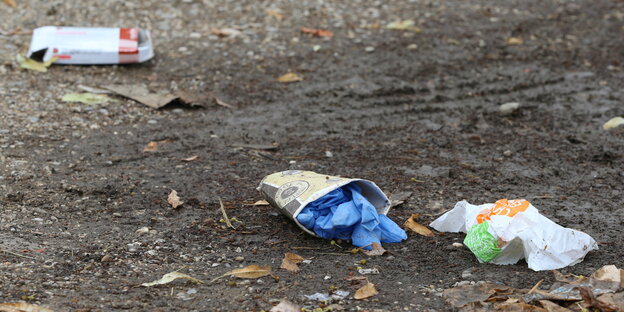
point(251, 271)
point(170, 277)
point(142, 95)
point(10, 3)
point(22, 307)
point(514, 41)
point(194, 157)
point(404, 25)
point(366, 291)
point(221, 103)
point(275, 13)
point(174, 200)
point(261, 203)
point(317, 32)
point(285, 306)
point(152, 146)
point(31, 64)
point(289, 77)
point(86, 98)
point(613, 123)
point(377, 250)
point(226, 32)
point(417, 227)
point(291, 261)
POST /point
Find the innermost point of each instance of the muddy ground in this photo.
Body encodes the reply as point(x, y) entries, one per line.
point(389, 106)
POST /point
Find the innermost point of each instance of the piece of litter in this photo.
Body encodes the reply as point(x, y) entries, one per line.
point(368, 271)
point(143, 230)
point(91, 45)
point(613, 123)
point(170, 277)
point(508, 108)
point(334, 208)
point(86, 98)
point(509, 230)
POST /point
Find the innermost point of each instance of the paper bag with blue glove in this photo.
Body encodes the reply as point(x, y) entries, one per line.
point(333, 207)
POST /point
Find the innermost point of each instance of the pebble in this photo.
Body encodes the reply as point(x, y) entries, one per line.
point(458, 245)
point(152, 122)
point(106, 258)
point(369, 49)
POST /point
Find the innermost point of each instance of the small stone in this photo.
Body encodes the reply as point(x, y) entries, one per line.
point(369, 49)
point(507, 153)
point(458, 245)
point(106, 258)
point(329, 154)
point(152, 122)
point(239, 258)
point(152, 252)
point(412, 46)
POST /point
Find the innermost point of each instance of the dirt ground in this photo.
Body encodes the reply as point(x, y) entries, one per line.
point(414, 112)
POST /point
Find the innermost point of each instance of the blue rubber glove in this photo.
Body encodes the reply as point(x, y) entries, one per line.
point(345, 214)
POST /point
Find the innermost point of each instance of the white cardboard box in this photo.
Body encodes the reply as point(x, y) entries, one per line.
point(87, 45)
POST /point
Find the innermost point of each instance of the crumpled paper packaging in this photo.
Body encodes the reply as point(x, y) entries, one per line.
point(290, 191)
point(509, 230)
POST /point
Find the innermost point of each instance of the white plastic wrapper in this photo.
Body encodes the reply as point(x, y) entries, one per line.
point(509, 230)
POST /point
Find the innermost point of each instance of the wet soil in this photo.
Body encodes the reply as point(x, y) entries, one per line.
point(413, 112)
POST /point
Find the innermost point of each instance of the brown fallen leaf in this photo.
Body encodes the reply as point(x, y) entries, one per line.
point(276, 14)
point(194, 157)
point(22, 307)
point(317, 32)
point(377, 250)
point(291, 261)
point(174, 200)
point(417, 227)
point(366, 291)
point(357, 281)
point(152, 146)
point(10, 3)
point(593, 302)
point(142, 95)
point(224, 104)
point(289, 77)
point(251, 271)
point(552, 307)
point(514, 41)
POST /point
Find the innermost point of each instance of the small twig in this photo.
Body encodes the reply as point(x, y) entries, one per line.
point(225, 216)
point(333, 253)
point(16, 254)
point(535, 287)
